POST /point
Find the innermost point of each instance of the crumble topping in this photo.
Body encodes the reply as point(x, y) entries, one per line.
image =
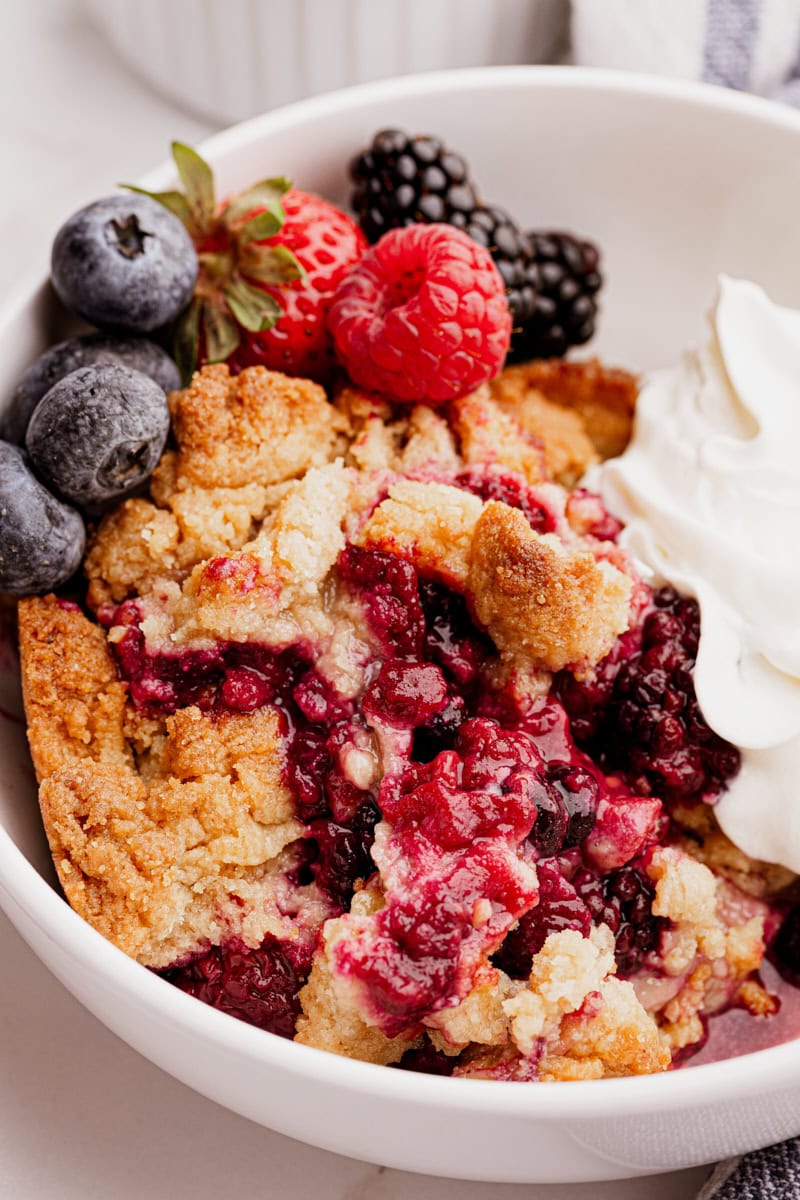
point(163, 865)
point(542, 603)
point(429, 524)
point(316, 715)
point(603, 398)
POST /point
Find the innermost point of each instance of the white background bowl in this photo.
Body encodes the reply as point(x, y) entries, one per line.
point(676, 182)
point(229, 59)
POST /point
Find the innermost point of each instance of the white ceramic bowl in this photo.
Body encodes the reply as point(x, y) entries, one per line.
point(677, 182)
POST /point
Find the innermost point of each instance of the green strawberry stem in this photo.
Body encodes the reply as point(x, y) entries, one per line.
point(233, 259)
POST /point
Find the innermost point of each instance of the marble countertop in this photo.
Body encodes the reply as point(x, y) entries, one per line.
point(82, 1116)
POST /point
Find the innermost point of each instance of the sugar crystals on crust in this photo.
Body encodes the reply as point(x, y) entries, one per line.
point(541, 602)
point(166, 865)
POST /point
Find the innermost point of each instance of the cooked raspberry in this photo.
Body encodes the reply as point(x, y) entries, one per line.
point(406, 695)
point(423, 316)
point(491, 483)
point(388, 588)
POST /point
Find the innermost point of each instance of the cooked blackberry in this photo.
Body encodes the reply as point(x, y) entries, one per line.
point(401, 180)
point(640, 715)
point(564, 271)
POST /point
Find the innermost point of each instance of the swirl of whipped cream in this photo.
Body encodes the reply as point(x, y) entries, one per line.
point(709, 489)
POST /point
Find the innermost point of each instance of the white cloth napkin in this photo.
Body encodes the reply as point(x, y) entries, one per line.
point(750, 45)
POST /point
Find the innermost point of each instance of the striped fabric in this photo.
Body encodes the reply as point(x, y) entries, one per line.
point(750, 45)
point(731, 34)
point(771, 1174)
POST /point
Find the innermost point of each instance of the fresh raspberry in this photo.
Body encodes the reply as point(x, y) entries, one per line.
point(327, 244)
point(423, 317)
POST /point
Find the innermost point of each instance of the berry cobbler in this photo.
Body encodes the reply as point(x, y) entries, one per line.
point(363, 722)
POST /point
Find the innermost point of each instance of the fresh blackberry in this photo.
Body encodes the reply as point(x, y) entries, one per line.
point(564, 273)
point(401, 180)
point(493, 228)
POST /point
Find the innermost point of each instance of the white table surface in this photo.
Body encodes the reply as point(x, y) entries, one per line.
point(82, 1117)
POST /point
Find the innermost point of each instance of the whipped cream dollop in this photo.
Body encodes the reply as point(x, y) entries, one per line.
point(709, 489)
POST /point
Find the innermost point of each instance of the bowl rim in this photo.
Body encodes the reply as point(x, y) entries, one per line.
point(23, 890)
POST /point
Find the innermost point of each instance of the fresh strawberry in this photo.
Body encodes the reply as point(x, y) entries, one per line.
point(327, 244)
point(270, 262)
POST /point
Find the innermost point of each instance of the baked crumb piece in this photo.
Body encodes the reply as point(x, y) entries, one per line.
point(330, 1018)
point(572, 1020)
point(542, 603)
point(568, 449)
point(258, 425)
point(753, 996)
point(478, 1019)
point(271, 590)
point(74, 702)
point(330, 1023)
point(617, 1038)
point(713, 945)
point(428, 445)
point(567, 968)
point(487, 434)
point(603, 397)
point(429, 524)
point(167, 866)
point(686, 893)
point(406, 440)
point(162, 864)
point(134, 545)
point(238, 437)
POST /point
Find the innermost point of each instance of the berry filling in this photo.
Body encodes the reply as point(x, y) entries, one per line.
point(492, 484)
point(640, 715)
point(258, 986)
point(495, 827)
point(462, 833)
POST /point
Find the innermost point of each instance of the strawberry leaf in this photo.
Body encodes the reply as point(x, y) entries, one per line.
point(186, 341)
point(220, 331)
point(255, 310)
point(270, 264)
point(264, 195)
point(198, 183)
point(176, 202)
point(264, 225)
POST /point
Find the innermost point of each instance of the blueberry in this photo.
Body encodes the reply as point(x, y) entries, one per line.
point(41, 540)
point(60, 360)
point(124, 263)
point(98, 433)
